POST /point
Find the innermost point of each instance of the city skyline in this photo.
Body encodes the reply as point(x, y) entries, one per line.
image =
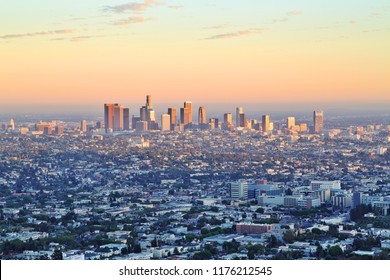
point(288, 52)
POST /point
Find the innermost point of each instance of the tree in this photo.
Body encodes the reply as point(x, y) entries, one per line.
point(288, 236)
point(260, 210)
point(137, 249)
point(316, 231)
point(57, 255)
point(231, 247)
point(272, 242)
point(335, 251)
point(203, 255)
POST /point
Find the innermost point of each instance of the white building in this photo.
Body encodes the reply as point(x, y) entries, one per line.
point(332, 185)
point(239, 189)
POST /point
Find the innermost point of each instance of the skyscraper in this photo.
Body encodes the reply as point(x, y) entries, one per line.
point(118, 117)
point(172, 114)
point(149, 104)
point(12, 124)
point(265, 123)
point(184, 116)
point(243, 120)
point(152, 116)
point(143, 113)
point(202, 116)
point(83, 126)
point(290, 122)
point(109, 116)
point(228, 118)
point(126, 119)
point(239, 113)
point(113, 117)
point(165, 122)
point(188, 105)
point(318, 119)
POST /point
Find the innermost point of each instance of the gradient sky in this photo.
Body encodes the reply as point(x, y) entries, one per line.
point(96, 51)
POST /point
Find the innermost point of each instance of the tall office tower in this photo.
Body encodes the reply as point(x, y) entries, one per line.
point(265, 123)
point(83, 126)
point(202, 116)
point(184, 116)
point(165, 122)
point(253, 124)
point(109, 116)
point(211, 124)
point(228, 118)
point(149, 105)
point(318, 119)
point(152, 116)
point(134, 121)
point(172, 114)
point(290, 122)
point(239, 189)
point(188, 105)
point(141, 126)
point(126, 119)
point(118, 117)
point(143, 113)
point(239, 112)
point(99, 125)
point(214, 123)
point(12, 124)
point(242, 120)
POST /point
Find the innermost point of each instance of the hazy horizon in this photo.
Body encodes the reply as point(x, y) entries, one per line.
point(276, 110)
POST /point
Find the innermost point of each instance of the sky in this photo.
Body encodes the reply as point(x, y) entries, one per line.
point(249, 51)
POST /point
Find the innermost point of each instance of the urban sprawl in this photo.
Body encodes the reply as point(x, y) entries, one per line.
point(141, 188)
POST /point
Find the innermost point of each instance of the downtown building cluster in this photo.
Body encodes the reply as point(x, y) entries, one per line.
point(116, 118)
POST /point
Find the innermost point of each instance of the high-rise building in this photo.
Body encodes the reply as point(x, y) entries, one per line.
point(118, 117)
point(265, 123)
point(99, 125)
point(143, 113)
point(134, 121)
point(290, 122)
point(214, 123)
point(188, 105)
point(126, 119)
point(83, 126)
point(242, 120)
point(165, 122)
point(12, 124)
point(141, 126)
point(239, 113)
point(184, 116)
point(228, 118)
point(318, 119)
point(172, 114)
point(202, 116)
point(149, 104)
point(113, 117)
point(109, 116)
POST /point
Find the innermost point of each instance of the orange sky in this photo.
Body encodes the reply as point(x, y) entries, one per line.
point(116, 51)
